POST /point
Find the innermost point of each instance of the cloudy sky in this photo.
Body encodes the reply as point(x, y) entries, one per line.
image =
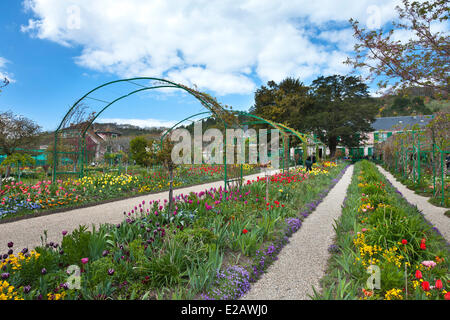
point(54, 51)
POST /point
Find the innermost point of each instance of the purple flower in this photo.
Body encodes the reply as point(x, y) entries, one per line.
point(5, 276)
point(110, 272)
point(10, 244)
point(64, 232)
point(44, 271)
point(26, 289)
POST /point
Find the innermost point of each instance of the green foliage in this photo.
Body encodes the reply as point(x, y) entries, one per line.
point(48, 259)
point(18, 158)
point(138, 151)
point(76, 246)
point(338, 109)
point(197, 235)
point(99, 270)
point(405, 106)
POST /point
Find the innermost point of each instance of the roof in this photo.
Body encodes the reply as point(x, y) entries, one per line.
point(108, 132)
point(399, 123)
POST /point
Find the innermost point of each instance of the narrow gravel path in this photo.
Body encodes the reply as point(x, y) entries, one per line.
point(27, 233)
point(435, 215)
point(302, 262)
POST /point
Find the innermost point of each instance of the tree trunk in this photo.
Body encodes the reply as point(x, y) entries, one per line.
point(8, 171)
point(332, 144)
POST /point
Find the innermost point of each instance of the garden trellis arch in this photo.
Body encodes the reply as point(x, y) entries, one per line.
point(80, 117)
point(235, 175)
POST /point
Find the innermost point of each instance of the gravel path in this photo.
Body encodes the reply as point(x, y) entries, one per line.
point(435, 215)
point(302, 262)
point(27, 233)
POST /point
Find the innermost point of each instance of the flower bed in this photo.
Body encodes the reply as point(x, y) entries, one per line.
point(18, 198)
point(211, 240)
point(380, 231)
point(425, 187)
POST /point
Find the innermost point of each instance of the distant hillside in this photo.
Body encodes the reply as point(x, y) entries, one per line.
point(413, 101)
point(127, 129)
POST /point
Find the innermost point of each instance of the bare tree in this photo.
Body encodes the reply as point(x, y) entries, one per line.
point(421, 61)
point(15, 131)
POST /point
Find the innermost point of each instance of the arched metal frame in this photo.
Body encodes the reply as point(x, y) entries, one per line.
point(214, 110)
point(207, 101)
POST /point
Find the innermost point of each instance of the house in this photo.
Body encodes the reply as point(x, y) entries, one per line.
point(96, 141)
point(384, 128)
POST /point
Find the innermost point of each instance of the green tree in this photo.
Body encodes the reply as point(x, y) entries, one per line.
point(139, 147)
point(285, 102)
point(342, 113)
point(17, 159)
point(421, 61)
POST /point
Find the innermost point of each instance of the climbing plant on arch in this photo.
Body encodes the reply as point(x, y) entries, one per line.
point(71, 141)
point(70, 138)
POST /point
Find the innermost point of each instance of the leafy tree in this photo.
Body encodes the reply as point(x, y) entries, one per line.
point(338, 109)
point(17, 159)
point(15, 131)
point(421, 61)
point(403, 106)
point(139, 151)
point(342, 112)
point(284, 102)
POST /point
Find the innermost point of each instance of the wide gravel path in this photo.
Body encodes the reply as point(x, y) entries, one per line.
point(27, 233)
point(302, 262)
point(435, 215)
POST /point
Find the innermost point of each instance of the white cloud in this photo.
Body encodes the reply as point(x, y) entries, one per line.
point(3, 73)
point(143, 123)
point(222, 46)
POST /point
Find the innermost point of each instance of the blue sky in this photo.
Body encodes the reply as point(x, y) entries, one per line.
point(54, 51)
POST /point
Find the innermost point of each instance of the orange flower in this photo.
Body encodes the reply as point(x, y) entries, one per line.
point(367, 293)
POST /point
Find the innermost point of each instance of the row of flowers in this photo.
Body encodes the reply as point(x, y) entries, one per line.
point(380, 232)
point(162, 252)
point(21, 198)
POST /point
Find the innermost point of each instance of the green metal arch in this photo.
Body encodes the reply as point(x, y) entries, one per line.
point(171, 84)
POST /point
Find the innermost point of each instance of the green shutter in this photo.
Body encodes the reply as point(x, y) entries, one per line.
point(376, 136)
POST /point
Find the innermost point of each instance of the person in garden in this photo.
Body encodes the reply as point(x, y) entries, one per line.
point(309, 162)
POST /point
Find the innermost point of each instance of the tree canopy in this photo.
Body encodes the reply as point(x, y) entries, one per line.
point(420, 61)
point(138, 151)
point(343, 111)
point(335, 108)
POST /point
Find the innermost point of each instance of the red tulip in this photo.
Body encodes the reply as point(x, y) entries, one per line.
point(426, 286)
point(423, 246)
point(447, 296)
point(439, 284)
point(244, 231)
point(404, 241)
point(418, 274)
